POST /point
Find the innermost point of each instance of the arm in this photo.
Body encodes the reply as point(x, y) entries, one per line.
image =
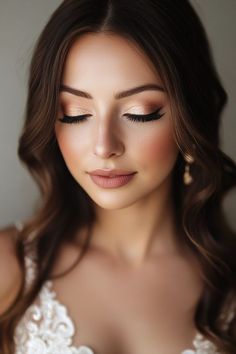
point(10, 271)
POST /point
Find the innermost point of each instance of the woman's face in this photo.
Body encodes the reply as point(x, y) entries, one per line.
point(110, 136)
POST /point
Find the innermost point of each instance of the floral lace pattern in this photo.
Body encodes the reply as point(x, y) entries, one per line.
point(201, 346)
point(46, 327)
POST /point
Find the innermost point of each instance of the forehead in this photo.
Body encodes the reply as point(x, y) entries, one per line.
point(107, 59)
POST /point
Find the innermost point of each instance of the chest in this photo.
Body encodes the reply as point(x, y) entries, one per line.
point(118, 311)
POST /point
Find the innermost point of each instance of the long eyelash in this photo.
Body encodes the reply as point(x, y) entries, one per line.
point(133, 117)
point(74, 119)
point(145, 117)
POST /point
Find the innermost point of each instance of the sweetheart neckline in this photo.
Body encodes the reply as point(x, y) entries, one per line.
point(48, 292)
point(198, 338)
point(198, 342)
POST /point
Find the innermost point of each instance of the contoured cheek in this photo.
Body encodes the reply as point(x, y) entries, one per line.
point(158, 148)
point(72, 145)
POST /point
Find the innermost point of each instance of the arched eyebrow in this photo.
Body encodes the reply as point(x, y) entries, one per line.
point(118, 95)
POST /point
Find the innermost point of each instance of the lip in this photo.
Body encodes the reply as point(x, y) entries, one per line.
point(110, 173)
point(111, 182)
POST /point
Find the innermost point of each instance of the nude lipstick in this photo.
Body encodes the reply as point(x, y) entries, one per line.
point(111, 178)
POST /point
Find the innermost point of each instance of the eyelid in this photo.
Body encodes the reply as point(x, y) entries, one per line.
point(155, 115)
point(155, 110)
point(83, 113)
point(148, 108)
point(74, 108)
point(75, 112)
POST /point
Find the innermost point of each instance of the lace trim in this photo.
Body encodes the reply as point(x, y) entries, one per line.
point(30, 264)
point(202, 346)
point(46, 327)
point(30, 268)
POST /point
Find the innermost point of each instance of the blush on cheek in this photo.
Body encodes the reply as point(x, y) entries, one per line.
point(71, 138)
point(70, 146)
point(159, 149)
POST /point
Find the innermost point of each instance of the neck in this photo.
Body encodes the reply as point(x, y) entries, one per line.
point(140, 231)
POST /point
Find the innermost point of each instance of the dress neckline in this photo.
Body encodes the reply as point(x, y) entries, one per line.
point(49, 304)
point(49, 301)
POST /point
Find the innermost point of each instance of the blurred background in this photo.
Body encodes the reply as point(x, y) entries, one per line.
point(20, 25)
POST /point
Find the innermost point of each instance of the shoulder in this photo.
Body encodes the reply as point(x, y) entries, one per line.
point(10, 271)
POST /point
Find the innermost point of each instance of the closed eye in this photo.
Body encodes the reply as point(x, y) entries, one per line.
point(145, 117)
point(133, 117)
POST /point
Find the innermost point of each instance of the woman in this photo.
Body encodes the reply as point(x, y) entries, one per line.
point(129, 250)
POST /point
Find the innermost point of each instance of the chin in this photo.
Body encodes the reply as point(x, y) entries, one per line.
point(111, 203)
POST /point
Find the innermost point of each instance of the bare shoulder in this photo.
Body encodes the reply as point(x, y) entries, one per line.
point(10, 271)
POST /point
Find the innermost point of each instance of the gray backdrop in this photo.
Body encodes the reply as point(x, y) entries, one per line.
point(21, 21)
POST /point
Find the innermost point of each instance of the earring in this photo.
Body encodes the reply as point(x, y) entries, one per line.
point(187, 176)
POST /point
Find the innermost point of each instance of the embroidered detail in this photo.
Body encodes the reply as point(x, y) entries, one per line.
point(46, 328)
point(30, 269)
point(202, 346)
point(85, 350)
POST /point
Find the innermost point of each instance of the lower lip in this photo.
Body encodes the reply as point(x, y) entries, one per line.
point(111, 182)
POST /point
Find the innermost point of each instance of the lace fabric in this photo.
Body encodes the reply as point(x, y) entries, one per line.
point(46, 327)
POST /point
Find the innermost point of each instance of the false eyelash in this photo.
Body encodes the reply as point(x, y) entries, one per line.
point(145, 117)
point(133, 117)
point(74, 119)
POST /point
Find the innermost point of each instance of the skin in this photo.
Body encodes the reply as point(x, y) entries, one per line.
point(136, 289)
point(135, 256)
point(103, 65)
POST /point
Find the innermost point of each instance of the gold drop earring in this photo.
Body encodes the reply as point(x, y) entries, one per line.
point(188, 179)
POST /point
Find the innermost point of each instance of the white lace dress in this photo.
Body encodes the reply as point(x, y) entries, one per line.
point(46, 327)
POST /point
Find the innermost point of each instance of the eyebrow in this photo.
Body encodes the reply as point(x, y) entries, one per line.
point(119, 95)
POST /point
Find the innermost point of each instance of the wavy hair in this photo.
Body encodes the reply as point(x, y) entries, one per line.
point(170, 33)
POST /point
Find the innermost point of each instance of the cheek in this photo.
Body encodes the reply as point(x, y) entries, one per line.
point(158, 149)
point(71, 144)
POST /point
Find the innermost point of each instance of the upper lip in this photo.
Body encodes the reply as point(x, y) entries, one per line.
point(110, 173)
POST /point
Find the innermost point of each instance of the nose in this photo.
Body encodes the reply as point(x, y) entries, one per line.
point(107, 142)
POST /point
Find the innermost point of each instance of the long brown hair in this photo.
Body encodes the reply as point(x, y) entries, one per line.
point(172, 36)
